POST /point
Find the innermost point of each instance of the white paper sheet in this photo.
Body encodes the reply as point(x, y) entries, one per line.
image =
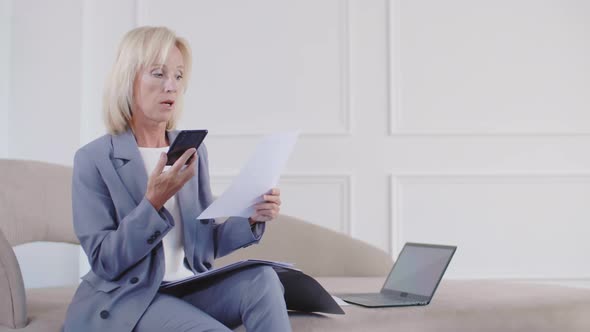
point(257, 177)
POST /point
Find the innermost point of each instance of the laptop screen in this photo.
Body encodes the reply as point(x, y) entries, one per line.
point(419, 268)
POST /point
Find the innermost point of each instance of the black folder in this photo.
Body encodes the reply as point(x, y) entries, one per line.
point(302, 292)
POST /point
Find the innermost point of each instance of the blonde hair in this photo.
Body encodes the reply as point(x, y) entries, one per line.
point(140, 48)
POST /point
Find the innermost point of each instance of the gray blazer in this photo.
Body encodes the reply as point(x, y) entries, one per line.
point(121, 233)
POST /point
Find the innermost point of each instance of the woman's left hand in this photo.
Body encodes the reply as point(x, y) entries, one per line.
point(269, 208)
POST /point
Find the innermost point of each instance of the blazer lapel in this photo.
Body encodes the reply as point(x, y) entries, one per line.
point(129, 165)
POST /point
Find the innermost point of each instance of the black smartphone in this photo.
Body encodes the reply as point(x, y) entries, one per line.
point(185, 140)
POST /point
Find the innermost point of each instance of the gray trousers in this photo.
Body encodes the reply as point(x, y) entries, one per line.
point(253, 297)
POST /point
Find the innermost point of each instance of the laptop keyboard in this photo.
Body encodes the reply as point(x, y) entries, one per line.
point(378, 298)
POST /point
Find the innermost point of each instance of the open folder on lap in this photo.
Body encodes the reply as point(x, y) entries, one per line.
point(302, 292)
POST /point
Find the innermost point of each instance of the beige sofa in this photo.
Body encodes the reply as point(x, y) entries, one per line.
point(338, 262)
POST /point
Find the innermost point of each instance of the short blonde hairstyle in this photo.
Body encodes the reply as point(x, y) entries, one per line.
point(140, 48)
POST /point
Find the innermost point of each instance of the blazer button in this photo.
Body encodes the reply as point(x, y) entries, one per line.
point(150, 241)
point(157, 233)
point(104, 314)
point(134, 280)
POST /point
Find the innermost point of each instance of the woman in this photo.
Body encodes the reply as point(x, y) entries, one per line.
point(138, 230)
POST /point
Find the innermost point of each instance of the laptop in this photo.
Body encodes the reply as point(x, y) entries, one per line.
point(413, 278)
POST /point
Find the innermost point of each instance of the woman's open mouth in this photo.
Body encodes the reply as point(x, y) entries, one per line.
point(169, 104)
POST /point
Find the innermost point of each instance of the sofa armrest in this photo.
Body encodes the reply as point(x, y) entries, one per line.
point(13, 307)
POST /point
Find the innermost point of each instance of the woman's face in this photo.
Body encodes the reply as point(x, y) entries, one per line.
point(156, 89)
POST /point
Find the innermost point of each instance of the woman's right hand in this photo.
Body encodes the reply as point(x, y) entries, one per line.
point(162, 186)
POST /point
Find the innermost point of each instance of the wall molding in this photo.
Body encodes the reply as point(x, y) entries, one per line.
point(345, 180)
point(396, 205)
point(345, 113)
point(395, 242)
point(395, 63)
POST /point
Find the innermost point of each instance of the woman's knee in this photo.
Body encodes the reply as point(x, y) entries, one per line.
point(263, 285)
point(267, 276)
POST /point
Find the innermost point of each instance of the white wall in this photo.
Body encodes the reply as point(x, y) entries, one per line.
point(453, 122)
point(5, 40)
point(496, 88)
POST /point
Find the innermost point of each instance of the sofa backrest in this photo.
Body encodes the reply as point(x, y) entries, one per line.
point(36, 202)
point(315, 250)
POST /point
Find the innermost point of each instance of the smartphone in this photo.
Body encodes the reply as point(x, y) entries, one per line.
point(185, 140)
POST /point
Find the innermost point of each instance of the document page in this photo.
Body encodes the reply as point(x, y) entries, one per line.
point(257, 177)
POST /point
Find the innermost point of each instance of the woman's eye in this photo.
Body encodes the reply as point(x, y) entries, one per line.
point(157, 74)
point(178, 77)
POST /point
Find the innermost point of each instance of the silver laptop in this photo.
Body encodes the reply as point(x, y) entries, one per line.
point(413, 278)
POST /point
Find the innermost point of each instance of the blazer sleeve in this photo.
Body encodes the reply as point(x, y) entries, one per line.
point(111, 245)
point(235, 232)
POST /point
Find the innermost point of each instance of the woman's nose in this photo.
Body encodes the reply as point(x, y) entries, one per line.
point(170, 85)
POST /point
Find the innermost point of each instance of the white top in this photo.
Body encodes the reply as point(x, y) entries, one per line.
point(173, 241)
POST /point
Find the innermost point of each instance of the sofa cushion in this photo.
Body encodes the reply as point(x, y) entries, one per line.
point(458, 305)
point(46, 308)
